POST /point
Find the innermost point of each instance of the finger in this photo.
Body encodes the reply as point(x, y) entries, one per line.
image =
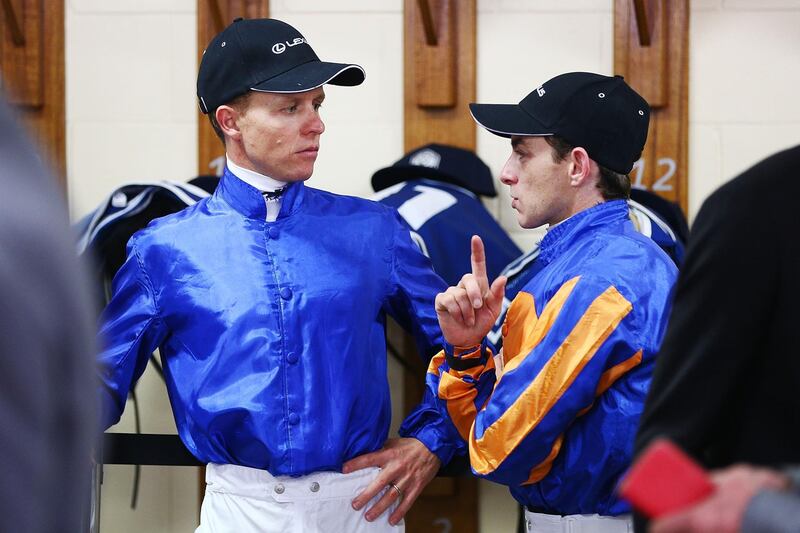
point(362, 461)
point(478, 260)
point(403, 506)
point(494, 302)
point(389, 497)
point(446, 303)
point(465, 307)
point(373, 489)
point(474, 290)
point(439, 303)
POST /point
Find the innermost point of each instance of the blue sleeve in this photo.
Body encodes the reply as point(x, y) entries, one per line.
point(426, 424)
point(130, 330)
point(414, 289)
point(415, 286)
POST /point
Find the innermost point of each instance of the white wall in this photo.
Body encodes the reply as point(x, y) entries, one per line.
point(744, 70)
point(131, 115)
point(131, 109)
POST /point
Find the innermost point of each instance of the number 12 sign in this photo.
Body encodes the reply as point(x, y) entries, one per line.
point(665, 171)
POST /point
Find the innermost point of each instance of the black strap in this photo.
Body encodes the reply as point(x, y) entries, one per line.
point(271, 195)
point(146, 449)
point(457, 363)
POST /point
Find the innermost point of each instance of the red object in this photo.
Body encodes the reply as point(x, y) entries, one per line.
point(664, 480)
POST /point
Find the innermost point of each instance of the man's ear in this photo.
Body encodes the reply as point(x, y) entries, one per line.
point(580, 168)
point(227, 118)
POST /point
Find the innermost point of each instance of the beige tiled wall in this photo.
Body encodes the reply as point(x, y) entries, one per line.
point(744, 69)
point(131, 116)
point(131, 111)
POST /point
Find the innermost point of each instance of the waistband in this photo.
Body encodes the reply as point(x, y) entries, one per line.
point(577, 523)
point(260, 484)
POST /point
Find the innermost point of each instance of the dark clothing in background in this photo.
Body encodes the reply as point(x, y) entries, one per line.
point(46, 351)
point(727, 382)
point(668, 211)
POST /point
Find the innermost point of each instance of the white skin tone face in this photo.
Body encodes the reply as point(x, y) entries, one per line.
point(275, 134)
point(544, 191)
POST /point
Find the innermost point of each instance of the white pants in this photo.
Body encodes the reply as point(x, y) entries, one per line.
point(239, 499)
point(577, 523)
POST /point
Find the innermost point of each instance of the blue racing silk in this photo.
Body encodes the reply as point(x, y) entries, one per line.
point(556, 423)
point(272, 334)
point(520, 271)
point(445, 217)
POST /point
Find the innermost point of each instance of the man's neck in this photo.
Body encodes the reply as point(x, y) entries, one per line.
point(584, 200)
point(254, 179)
point(578, 205)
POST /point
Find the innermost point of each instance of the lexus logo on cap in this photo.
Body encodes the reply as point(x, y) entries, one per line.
point(279, 48)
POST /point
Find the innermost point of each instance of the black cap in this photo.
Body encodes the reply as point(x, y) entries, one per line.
point(264, 55)
point(599, 113)
point(439, 162)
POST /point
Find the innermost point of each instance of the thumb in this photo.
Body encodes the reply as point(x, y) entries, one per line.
point(497, 291)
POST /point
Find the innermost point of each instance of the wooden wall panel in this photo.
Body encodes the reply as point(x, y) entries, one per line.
point(32, 63)
point(439, 78)
point(660, 72)
point(22, 52)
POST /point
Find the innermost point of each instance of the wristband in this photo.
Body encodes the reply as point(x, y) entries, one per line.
point(465, 363)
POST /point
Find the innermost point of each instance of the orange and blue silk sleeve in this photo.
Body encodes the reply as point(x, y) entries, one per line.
point(557, 361)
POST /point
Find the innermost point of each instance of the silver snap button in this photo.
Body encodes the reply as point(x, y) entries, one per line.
point(119, 200)
point(641, 113)
point(223, 44)
point(314, 487)
point(601, 95)
point(279, 488)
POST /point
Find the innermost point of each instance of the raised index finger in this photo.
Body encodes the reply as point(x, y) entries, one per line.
point(478, 259)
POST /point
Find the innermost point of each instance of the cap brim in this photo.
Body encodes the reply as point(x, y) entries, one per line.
point(507, 120)
point(311, 75)
point(386, 177)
